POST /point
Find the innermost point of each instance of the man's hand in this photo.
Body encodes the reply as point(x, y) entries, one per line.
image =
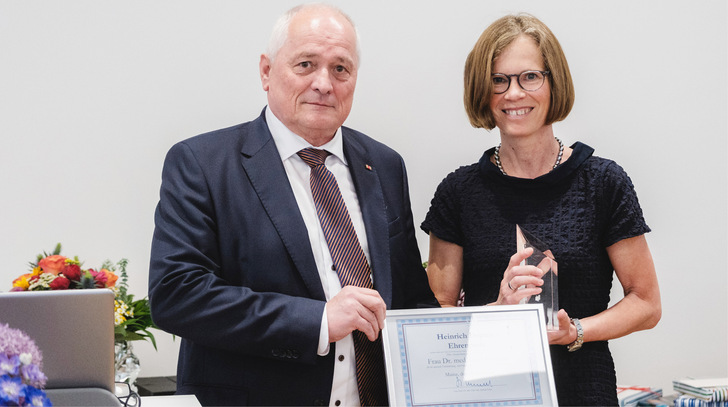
point(355, 308)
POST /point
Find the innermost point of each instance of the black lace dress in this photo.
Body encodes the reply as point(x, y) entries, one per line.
point(580, 208)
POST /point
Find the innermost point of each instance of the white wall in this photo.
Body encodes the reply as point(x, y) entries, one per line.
point(93, 93)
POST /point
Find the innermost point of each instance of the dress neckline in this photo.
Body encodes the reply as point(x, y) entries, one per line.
point(581, 152)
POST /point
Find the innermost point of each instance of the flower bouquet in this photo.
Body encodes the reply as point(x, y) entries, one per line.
point(52, 271)
point(21, 378)
point(132, 317)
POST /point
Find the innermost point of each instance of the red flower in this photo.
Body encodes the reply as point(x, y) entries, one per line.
point(60, 283)
point(72, 272)
point(103, 278)
point(99, 279)
point(53, 264)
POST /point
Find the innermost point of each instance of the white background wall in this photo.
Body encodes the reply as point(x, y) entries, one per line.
point(93, 93)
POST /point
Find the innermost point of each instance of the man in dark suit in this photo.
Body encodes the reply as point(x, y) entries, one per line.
point(240, 266)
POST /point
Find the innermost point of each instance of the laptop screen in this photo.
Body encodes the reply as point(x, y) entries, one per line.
point(74, 329)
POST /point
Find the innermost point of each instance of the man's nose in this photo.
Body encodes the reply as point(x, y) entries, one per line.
point(322, 81)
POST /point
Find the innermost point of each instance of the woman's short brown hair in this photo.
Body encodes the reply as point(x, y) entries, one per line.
point(479, 68)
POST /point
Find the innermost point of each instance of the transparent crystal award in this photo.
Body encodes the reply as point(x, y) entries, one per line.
point(543, 259)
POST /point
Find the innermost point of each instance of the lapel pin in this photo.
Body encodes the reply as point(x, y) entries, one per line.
point(369, 167)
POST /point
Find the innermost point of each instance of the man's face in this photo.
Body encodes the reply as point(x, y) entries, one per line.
point(311, 81)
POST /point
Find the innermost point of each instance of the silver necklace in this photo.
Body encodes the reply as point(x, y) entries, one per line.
point(496, 155)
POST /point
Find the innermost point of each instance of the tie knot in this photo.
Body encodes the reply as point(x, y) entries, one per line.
point(313, 156)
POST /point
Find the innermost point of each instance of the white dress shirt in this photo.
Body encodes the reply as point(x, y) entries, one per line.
point(344, 389)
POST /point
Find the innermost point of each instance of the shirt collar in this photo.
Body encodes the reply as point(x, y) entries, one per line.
point(289, 143)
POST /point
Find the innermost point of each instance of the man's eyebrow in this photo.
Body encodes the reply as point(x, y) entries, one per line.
point(310, 55)
point(346, 60)
point(306, 55)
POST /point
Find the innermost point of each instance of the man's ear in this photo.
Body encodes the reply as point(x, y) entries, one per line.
point(264, 66)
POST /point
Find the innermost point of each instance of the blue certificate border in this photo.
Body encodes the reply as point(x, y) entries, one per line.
point(402, 323)
point(398, 321)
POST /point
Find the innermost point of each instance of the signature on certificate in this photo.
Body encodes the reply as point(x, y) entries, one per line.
point(481, 384)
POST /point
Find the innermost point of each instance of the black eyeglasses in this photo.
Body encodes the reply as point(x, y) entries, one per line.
point(529, 81)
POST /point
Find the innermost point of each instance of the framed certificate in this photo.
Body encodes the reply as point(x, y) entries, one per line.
point(474, 356)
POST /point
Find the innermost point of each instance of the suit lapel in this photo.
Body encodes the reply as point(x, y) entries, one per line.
point(371, 201)
point(262, 163)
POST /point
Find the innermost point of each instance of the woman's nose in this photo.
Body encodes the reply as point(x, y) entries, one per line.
point(515, 91)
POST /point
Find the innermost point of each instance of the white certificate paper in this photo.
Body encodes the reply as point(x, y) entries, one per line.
point(479, 356)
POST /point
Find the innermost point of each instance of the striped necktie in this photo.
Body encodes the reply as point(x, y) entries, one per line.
point(352, 268)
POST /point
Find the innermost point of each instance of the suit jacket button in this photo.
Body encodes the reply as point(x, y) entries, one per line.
point(319, 402)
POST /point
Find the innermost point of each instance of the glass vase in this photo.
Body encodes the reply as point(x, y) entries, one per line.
point(126, 364)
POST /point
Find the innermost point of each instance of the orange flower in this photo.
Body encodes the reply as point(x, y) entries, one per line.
point(53, 264)
point(109, 279)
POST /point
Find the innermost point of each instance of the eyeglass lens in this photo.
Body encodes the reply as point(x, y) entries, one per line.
point(529, 81)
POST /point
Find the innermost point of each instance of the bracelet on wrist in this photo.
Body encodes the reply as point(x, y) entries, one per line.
point(576, 345)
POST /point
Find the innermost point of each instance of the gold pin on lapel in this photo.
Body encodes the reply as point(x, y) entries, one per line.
point(369, 167)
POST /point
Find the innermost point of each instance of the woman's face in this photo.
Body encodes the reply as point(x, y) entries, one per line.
point(519, 113)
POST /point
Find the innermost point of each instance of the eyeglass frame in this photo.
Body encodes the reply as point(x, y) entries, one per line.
point(518, 79)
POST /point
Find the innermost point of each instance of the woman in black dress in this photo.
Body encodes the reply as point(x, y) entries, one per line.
point(582, 206)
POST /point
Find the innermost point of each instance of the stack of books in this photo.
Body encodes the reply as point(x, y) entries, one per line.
point(701, 392)
point(630, 396)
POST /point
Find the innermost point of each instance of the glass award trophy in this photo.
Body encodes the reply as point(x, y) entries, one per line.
point(544, 260)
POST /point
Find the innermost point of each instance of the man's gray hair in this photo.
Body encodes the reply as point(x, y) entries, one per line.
point(280, 30)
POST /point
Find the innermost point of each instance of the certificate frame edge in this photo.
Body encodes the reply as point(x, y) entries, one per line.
point(419, 312)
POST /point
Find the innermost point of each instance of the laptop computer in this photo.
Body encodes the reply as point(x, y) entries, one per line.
point(74, 329)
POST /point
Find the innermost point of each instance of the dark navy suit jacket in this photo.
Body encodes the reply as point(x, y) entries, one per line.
point(232, 272)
